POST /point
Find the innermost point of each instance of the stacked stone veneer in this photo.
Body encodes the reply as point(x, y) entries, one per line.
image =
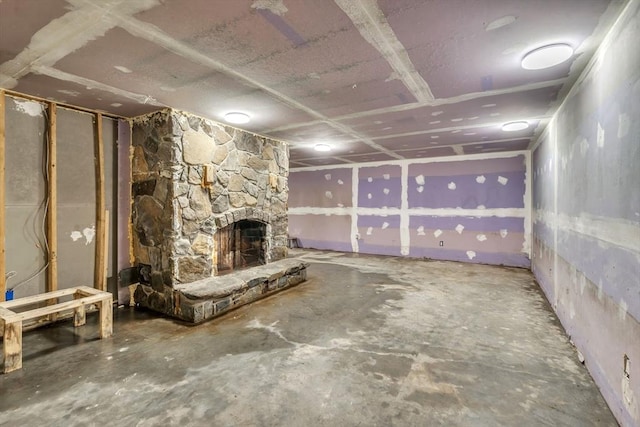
point(191, 177)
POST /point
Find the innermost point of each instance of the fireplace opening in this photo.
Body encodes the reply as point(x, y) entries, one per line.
point(240, 245)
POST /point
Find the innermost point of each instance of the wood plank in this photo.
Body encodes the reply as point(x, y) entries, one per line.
point(105, 266)
point(62, 306)
point(106, 317)
point(3, 281)
point(52, 211)
point(99, 281)
point(12, 347)
point(33, 299)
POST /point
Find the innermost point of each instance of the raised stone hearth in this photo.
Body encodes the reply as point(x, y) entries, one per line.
point(204, 299)
point(208, 200)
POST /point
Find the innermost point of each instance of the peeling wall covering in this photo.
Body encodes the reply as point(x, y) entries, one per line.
point(477, 207)
point(586, 228)
point(192, 176)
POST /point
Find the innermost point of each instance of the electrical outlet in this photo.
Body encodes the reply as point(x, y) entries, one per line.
point(441, 242)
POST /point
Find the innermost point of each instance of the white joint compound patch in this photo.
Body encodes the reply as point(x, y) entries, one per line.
point(502, 180)
point(340, 205)
point(89, 234)
point(481, 179)
point(327, 176)
point(340, 182)
point(600, 137)
point(436, 113)
point(482, 207)
point(369, 231)
point(459, 228)
point(421, 231)
point(369, 196)
point(452, 186)
point(122, 69)
point(386, 176)
point(385, 191)
point(385, 225)
point(437, 233)
point(481, 237)
point(369, 179)
point(276, 7)
point(420, 179)
point(503, 233)
point(471, 254)
point(75, 235)
point(328, 194)
point(31, 108)
point(420, 189)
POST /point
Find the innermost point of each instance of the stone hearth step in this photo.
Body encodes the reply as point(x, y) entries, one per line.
point(207, 298)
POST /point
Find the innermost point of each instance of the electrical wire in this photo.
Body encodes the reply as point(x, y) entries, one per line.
point(44, 206)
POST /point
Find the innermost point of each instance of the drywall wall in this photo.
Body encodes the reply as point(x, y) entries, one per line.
point(586, 212)
point(25, 196)
point(464, 208)
point(26, 184)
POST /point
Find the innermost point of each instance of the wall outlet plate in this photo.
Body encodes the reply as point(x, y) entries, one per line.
point(441, 242)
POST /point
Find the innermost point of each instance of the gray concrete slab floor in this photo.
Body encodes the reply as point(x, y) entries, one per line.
point(367, 340)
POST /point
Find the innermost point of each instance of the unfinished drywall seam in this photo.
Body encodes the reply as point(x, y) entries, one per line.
point(554, 152)
point(405, 234)
point(155, 35)
point(73, 30)
point(434, 103)
point(480, 156)
point(527, 203)
point(354, 210)
point(478, 213)
point(372, 24)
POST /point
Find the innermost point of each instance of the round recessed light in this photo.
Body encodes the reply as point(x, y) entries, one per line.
point(322, 147)
point(515, 126)
point(237, 118)
point(547, 56)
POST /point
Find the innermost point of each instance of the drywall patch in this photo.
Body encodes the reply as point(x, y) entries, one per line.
point(386, 176)
point(369, 231)
point(75, 235)
point(328, 194)
point(327, 176)
point(31, 108)
point(437, 233)
point(504, 232)
point(481, 179)
point(89, 234)
point(369, 196)
point(421, 231)
point(451, 185)
point(385, 225)
point(500, 22)
point(471, 254)
point(122, 69)
point(276, 7)
point(600, 137)
point(502, 180)
point(420, 179)
point(459, 228)
point(481, 237)
point(386, 191)
point(340, 182)
point(420, 189)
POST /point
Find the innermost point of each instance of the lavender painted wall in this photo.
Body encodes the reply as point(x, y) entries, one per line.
point(475, 205)
point(586, 230)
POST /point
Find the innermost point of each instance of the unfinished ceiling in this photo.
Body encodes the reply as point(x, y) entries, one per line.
point(375, 80)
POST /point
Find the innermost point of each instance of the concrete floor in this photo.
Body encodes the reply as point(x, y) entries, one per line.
point(371, 341)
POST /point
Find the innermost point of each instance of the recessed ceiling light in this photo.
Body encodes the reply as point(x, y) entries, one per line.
point(547, 56)
point(237, 118)
point(515, 126)
point(322, 147)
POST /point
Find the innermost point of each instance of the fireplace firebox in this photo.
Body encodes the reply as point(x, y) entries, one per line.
point(240, 245)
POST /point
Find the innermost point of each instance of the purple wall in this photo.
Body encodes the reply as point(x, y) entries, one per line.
point(586, 230)
point(474, 206)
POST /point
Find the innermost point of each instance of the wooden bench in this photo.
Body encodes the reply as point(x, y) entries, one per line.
point(11, 321)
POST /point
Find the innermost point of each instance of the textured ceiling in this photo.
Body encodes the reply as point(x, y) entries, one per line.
point(376, 80)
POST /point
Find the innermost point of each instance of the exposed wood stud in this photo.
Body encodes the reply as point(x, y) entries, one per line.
point(52, 212)
point(99, 281)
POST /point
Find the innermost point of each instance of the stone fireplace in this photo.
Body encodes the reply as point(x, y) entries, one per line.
point(208, 201)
